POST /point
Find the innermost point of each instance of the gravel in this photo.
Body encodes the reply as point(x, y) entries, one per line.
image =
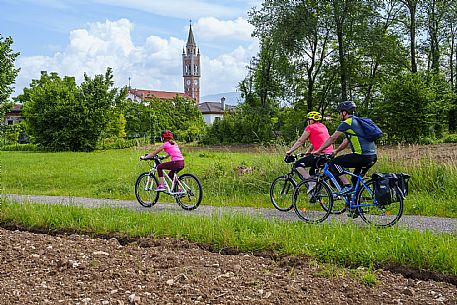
point(420, 223)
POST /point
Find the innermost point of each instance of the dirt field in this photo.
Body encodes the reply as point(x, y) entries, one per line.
point(445, 153)
point(44, 269)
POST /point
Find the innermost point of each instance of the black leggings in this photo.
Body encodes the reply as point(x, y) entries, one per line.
point(360, 163)
point(308, 161)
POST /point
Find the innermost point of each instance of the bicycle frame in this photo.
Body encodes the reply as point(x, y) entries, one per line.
point(167, 180)
point(360, 183)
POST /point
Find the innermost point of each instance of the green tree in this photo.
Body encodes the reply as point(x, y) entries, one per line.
point(410, 23)
point(148, 118)
point(8, 73)
point(60, 115)
point(413, 106)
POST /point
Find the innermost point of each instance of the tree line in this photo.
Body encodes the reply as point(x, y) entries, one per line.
point(395, 58)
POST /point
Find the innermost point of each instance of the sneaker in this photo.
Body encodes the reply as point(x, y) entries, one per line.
point(346, 189)
point(160, 188)
point(311, 187)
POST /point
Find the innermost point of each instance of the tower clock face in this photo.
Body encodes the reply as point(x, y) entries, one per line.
point(188, 82)
point(195, 82)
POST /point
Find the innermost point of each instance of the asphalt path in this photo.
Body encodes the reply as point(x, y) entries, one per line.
point(421, 223)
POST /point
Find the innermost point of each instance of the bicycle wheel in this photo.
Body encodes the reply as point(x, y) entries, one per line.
point(144, 190)
point(377, 214)
point(339, 202)
point(312, 204)
point(282, 192)
point(192, 192)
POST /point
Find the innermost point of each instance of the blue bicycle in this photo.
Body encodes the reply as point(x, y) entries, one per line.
point(314, 198)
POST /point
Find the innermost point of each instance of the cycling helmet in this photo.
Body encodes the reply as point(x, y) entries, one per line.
point(314, 115)
point(166, 135)
point(348, 106)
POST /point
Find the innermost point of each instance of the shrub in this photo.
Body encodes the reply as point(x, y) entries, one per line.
point(21, 147)
point(450, 138)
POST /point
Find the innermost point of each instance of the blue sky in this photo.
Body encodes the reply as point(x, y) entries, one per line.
point(141, 39)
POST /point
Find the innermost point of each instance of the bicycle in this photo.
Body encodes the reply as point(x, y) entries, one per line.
point(186, 189)
point(282, 188)
point(358, 202)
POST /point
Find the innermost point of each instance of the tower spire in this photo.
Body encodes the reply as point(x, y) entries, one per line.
point(190, 38)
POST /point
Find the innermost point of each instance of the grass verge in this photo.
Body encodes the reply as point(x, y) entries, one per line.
point(345, 245)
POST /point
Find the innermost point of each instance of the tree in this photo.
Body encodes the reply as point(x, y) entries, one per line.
point(148, 118)
point(411, 24)
point(411, 109)
point(8, 73)
point(60, 115)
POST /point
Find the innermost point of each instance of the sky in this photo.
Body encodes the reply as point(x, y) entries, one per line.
point(140, 39)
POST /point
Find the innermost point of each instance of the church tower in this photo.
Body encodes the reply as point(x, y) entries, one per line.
point(191, 68)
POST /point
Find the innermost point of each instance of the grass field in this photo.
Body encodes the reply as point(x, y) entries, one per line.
point(112, 174)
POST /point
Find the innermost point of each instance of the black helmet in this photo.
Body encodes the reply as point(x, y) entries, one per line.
point(348, 106)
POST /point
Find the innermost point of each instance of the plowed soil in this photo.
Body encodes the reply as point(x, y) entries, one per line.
point(77, 269)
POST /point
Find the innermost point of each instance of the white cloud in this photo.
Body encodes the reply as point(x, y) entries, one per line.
point(177, 8)
point(223, 74)
point(210, 27)
point(156, 64)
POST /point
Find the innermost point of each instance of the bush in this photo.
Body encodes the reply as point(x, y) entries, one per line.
point(426, 141)
point(21, 147)
point(119, 143)
point(450, 138)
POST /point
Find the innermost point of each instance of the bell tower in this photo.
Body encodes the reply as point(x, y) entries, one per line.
point(191, 67)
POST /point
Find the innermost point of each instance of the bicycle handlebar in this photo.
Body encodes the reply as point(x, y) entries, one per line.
point(156, 157)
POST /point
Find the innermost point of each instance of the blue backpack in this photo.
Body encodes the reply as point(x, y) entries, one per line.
point(370, 131)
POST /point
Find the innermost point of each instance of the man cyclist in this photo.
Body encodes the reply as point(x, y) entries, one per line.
point(363, 155)
point(316, 133)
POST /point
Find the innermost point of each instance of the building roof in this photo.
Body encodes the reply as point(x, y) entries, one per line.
point(150, 94)
point(17, 108)
point(214, 108)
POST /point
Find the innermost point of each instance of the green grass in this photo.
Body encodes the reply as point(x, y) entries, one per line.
point(344, 245)
point(112, 174)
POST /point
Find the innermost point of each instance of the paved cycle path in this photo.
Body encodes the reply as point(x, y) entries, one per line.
point(421, 223)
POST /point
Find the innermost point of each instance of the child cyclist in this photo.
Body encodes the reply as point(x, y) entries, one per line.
point(172, 149)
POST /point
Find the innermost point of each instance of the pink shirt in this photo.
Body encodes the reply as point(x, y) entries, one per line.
point(318, 133)
point(173, 151)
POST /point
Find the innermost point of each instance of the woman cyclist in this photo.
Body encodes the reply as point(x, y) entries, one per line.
point(172, 149)
point(317, 134)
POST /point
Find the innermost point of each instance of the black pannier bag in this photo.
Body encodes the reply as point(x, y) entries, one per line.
point(390, 187)
point(403, 180)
